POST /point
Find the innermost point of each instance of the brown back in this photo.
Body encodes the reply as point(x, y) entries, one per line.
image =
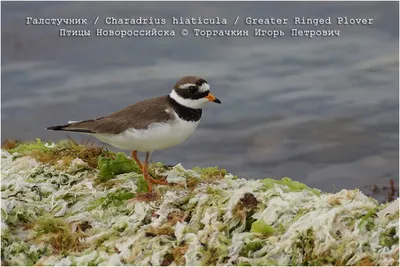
point(137, 116)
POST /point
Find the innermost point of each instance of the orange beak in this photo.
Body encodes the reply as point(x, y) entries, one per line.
point(212, 98)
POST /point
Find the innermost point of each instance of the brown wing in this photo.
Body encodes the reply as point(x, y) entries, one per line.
point(137, 116)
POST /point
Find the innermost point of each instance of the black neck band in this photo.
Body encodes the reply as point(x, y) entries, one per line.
point(185, 113)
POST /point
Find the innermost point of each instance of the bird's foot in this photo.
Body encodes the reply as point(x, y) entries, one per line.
point(168, 166)
point(151, 180)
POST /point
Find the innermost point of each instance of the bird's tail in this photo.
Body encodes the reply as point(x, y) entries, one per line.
point(70, 127)
point(57, 127)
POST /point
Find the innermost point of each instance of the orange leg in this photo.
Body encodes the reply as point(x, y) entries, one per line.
point(162, 181)
point(150, 180)
point(147, 176)
point(135, 157)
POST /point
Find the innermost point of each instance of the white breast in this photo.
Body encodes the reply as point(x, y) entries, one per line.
point(157, 136)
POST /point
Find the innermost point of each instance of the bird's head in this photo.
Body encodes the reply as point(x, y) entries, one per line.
point(193, 92)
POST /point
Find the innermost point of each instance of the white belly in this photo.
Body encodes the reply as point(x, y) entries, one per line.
point(157, 136)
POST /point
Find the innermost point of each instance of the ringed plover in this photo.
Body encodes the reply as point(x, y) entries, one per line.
point(152, 124)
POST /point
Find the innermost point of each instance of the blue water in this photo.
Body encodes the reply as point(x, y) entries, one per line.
point(323, 111)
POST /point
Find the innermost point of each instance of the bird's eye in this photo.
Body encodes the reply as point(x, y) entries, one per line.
point(193, 89)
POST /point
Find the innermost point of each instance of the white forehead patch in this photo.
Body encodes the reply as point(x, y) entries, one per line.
point(186, 85)
point(204, 87)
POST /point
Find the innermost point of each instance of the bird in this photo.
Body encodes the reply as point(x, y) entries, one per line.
point(151, 124)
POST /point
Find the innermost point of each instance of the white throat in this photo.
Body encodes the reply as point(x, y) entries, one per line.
point(187, 102)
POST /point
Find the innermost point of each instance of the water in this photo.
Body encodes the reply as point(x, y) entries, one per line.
point(323, 111)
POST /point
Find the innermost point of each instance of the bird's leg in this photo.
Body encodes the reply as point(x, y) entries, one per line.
point(146, 174)
point(144, 171)
point(135, 157)
point(150, 179)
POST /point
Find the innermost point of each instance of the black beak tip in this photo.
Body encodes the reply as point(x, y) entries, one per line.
point(217, 101)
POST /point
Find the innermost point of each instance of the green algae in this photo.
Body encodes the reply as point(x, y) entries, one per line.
point(293, 186)
point(304, 245)
point(109, 167)
point(262, 228)
point(142, 185)
point(22, 254)
point(46, 224)
point(367, 220)
point(28, 147)
point(62, 153)
point(299, 214)
point(114, 199)
point(389, 237)
point(210, 172)
point(252, 247)
point(211, 256)
point(22, 215)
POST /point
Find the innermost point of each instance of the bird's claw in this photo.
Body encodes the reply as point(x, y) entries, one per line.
point(162, 181)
